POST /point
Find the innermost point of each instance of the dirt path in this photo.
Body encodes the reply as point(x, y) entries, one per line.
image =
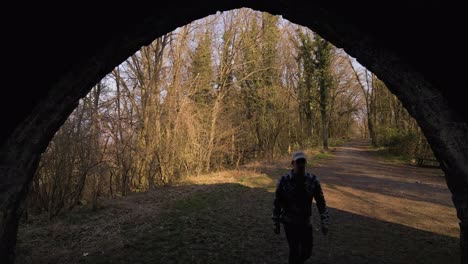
point(406, 211)
point(358, 182)
point(380, 213)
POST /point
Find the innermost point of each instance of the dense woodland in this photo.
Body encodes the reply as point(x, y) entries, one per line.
point(217, 93)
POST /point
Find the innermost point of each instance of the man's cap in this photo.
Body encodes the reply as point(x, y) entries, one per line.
point(298, 155)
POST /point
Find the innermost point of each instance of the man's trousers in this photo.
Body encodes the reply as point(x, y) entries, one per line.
point(300, 240)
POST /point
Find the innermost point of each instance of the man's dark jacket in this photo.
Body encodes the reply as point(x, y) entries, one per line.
point(293, 199)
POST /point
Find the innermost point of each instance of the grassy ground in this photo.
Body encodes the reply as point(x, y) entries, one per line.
point(336, 142)
point(386, 155)
point(224, 217)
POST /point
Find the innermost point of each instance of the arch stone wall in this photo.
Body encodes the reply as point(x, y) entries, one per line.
point(55, 54)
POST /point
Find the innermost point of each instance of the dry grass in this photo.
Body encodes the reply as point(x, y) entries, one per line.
point(224, 217)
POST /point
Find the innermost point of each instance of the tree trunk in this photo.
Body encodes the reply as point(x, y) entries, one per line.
point(323, 113)
point(214, 119)
point(371, 127)
point(324, 130)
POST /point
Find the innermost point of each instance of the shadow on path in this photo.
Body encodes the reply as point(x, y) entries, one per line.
point(220, 223)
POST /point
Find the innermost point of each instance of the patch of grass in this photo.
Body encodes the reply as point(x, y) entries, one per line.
point(320, 156)
point(196, 202)
point(223, 217)
point(336, 142)
point(387, 155)
point(226, 223)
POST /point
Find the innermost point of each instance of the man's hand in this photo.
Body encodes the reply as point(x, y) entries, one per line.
point(277, 228)
point(325, 229)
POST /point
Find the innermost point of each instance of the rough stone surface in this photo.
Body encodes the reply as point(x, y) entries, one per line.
point(56, 53)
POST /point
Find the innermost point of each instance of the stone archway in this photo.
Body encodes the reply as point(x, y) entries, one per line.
point(79, 45)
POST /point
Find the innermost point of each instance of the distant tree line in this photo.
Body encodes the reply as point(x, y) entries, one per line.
point(386, 121)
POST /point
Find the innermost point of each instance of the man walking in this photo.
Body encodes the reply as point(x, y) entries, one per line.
point(292, 207)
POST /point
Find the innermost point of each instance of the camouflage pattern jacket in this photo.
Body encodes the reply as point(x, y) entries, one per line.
point(293, 200)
